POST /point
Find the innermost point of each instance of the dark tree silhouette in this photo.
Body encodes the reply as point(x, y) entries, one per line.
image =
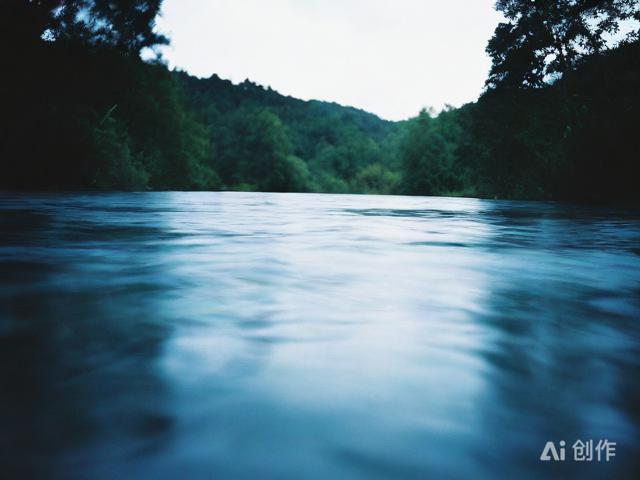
point(127, 25)
point(545, 39)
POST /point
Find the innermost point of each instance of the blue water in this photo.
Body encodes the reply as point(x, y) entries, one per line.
point(260, 336)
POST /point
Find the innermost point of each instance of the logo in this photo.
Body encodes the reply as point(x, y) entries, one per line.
point(549, 452)
point(583, 451)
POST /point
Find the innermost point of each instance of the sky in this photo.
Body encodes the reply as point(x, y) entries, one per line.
point(389, 57)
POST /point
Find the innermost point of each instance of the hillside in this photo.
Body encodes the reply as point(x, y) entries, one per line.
point(81, 110)
point(344, 149)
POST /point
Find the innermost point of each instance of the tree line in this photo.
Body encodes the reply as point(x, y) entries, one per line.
point(81, 110)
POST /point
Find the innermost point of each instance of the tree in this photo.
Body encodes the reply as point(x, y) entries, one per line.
point(126, 25)
point(376, 179)
point(545, 39)
point(253, 152)
point(429, 153)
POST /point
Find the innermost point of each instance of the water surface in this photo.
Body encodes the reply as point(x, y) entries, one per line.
point(258, 336)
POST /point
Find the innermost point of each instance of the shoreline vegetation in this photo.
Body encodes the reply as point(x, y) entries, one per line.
point(558, 119)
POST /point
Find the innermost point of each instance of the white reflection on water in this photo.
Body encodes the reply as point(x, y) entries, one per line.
point(237, 335)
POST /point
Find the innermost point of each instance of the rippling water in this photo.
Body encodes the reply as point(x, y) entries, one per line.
point(248, 335)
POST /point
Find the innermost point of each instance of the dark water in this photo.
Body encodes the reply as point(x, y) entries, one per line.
point(259, 336)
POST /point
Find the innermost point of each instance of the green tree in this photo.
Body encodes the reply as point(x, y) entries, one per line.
point(545, 39)
point(254, 151)
point(376, 179)
point(114, 165)
point(429, 153)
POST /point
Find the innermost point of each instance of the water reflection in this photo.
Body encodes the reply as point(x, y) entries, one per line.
point(200, 335)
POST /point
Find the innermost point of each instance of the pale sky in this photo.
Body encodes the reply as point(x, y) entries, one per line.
point(389, 57)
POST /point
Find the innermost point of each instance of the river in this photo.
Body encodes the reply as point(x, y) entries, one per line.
point(260, 335)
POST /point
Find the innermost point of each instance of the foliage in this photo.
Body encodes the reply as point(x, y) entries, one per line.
point(430, 155)
point(126, 25)
point(255, 150)
point(101, 120)
point(81, 110)
point(251, 126)
point(116, 167)
point(376, 178)
point(548, 38)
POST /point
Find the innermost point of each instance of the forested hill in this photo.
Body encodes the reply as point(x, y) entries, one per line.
point(558, 118)
point(227, 96)
point(343, 149)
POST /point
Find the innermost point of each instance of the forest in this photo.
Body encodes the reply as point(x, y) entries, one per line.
point(557, 120)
